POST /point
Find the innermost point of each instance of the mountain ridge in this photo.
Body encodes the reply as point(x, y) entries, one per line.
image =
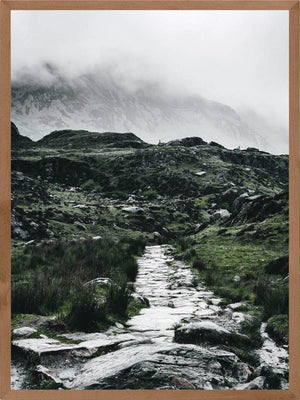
point(101, 101)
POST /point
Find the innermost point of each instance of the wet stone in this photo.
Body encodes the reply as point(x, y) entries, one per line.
point(142, 353)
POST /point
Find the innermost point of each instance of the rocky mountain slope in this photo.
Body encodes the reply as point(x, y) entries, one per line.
point(99, 101)
point(80, 197)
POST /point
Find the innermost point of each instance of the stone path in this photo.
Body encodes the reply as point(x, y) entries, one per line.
point(143, 355)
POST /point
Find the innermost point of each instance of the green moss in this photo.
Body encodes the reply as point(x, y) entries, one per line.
point(48, 384)
point(18, 320)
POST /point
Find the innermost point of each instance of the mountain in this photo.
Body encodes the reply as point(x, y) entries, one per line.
point(17, 140)
point(101, 101)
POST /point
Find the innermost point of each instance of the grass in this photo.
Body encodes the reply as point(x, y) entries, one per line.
point(278, 328)
point(52, 278)
point(273, 296)
point(86, 311)
point(220, 255)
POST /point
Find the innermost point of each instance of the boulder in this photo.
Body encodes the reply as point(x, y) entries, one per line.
point(25, 331)
point(235, 306)
point(45, 373)
point(207, 331)
point(133, 210)
point(220, 214)
point(256, 384)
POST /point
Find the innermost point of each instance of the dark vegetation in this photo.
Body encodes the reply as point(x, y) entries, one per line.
point(79, 184)
point(53, 277)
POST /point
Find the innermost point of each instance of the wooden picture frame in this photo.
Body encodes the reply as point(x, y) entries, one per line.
point(294, 192)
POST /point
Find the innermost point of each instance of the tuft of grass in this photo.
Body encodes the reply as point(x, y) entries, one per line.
point(118, 299)
point(278, 328)
point(86, 310)
point(251, 328)
point(273, 296)
point(54, 276)
point(150, 194)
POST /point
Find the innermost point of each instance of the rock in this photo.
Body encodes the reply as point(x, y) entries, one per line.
point(256, 384)
point(235, 306)
point(181, 383)
point(133, 210)
point(102, 282)
point(220, 214)
point(97, 237)
point(171, 304)
point(236, 278)
point(207, 331)
point(46, 373)
point(215, 302)
point(89, 344)
point(243, 195)
point(80, 225)
point(238, 317)
point(40, 346)
point(44, 336)
point(200, 173)
point(242, 372)
point(119, 325)
point(81, 206)
point(17, 229)
point(141, 299)
point(25, 331)
point(156, 365)
point(29, 243)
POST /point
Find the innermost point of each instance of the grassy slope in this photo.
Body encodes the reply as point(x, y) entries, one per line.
point(173, 199)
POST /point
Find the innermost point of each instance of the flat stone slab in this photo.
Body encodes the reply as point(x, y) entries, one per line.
point(207, 331)
point(25, 331)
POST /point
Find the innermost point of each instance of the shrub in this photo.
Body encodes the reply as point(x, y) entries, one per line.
point(88, 185)
point(251, 328)
point(118, 299)
point(199, 264)
point(185, 243)
point(279, 266)
point(273, 296)
point(150, 194)
point(119, 195)
point(51, 271)
point(42, 294)
point(86, 310)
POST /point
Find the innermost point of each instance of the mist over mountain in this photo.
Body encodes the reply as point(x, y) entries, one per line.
point(48, 99)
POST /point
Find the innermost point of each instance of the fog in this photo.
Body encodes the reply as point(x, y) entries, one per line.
point(239, 58)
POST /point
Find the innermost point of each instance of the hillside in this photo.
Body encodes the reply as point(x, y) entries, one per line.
point(84, 139)
point(84, 205)
point(17, 140)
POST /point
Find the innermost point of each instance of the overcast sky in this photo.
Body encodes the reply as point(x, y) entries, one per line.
point(239, 58)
